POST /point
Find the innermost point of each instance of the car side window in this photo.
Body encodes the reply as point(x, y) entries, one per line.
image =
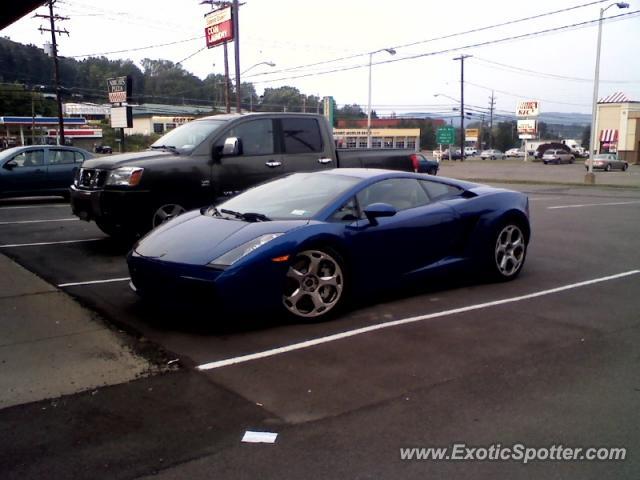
point(31, 158)
point(301, 135)
point(256, 137)
point(79, 157)
point(349, 212)
point(440, 191)
point(60, 157)
point(400, 193)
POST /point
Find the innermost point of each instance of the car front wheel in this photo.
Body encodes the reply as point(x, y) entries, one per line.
point(607, 168)
point(509, 251)
point(314, 285)
point(166, 212)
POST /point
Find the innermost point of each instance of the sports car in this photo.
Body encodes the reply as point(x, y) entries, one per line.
point(305, 242)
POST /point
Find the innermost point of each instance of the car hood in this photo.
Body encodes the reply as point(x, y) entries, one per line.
point(123, 159)
point(196, 239)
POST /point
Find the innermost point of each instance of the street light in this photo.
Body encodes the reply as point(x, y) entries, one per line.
point(445, 95)
point(390, 51)
point(271, 64)
point(590, 177)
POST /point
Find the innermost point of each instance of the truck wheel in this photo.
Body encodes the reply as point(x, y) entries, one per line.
point(166, 212)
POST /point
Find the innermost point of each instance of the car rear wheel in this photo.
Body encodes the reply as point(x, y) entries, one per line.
point(314, 285)
point(509, 251)
point(166, 212)
point(624, 167)
point(607, 168)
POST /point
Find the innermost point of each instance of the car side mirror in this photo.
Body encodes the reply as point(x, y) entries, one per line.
point(378, 210)
point(232, 147)
point(10, 165)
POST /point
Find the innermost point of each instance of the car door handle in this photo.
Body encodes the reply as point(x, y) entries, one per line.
point(273, 164)
point(324, 161)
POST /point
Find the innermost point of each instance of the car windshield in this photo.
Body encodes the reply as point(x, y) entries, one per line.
point(298, 196)
point(188, 136)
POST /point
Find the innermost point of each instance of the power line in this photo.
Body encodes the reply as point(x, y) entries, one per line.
point(148, 47)
point(455, 49)
point(516, 95)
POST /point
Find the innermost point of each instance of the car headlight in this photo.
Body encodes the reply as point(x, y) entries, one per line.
point(232, 256)
point(125, 176)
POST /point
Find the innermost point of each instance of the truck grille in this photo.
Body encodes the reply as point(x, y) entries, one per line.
point(92, 178)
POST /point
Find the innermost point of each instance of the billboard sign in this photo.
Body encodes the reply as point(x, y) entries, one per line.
point(528, 108)
point(119, 89)
point(527, 127)
point(121, 117)
point(471, 134)
point(218, 27)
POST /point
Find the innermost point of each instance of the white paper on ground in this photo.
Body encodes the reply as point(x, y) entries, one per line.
point(259, 437)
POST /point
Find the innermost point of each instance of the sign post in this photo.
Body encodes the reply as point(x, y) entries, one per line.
point(119, 89)
point(527, 128)
point(446, 135)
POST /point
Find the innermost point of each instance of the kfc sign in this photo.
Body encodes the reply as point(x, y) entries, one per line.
point(528, 109)
point(218, 27)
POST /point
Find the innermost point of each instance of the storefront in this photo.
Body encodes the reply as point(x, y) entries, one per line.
point(38, 130)
point(408, 138)
point(618, 127)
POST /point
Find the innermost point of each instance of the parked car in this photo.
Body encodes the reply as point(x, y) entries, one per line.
point(39, 170)
point(422, 164)
point(305, 241)
point(207, 159)
point(607, 162)
point(492, 154)
point(453, 154)
point(470, 151)
point(102, 149)
point(549, 146)
point(514, 153)
point(557, 156)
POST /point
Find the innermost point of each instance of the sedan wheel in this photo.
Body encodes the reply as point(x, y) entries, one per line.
point(166, 213)
point(314, 284)
point(510, 252)
point(607, 168)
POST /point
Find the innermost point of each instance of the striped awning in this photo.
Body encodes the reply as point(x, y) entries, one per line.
point(618, 97)
point(609, 135)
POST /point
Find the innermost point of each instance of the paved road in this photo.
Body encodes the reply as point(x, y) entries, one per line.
point(548, 359)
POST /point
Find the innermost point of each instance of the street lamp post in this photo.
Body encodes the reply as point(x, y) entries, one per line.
point(390, 51)
point(590, 176)
point(270, 64)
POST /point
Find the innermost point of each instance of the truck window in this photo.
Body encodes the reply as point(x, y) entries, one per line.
point(301, 135)
point(256, 136)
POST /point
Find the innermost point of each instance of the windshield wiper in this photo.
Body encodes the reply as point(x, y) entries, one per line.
point(247, 216)
point(166, 147)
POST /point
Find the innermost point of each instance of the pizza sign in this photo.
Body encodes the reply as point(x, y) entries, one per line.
point(218, 27)
point(119, 89)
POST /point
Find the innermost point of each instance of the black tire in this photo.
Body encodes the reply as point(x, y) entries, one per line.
point(607, 168)
point(303, 296)
point(165, 212)
point(625, 167)
point(507, 251)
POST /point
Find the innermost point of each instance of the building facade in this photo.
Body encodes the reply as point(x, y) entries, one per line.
point(618, 127)
point(408, 138)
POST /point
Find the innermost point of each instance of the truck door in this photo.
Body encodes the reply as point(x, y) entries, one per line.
point(24, 172)
point(302, 145)
point(257, 161)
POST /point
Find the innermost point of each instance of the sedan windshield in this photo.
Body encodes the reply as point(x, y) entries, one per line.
point(188, 136)
point(298, 196)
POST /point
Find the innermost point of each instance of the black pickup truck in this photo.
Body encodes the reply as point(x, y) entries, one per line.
point(211, 158)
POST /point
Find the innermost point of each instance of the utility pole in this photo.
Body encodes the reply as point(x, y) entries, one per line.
point(236, 39)
point(461, 58)
point(492, 103)
point(56, 69)
point(227, 82)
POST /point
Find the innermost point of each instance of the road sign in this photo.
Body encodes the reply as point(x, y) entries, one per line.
point(445, 135)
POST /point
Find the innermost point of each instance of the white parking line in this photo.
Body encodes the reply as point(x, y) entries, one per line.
point(594, 205)
point(72, 219)
point(35, 206)
point(38, 244)
point(93, 282)
point(395, 323)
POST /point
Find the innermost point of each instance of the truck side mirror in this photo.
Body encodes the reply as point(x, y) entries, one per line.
point(10, 165)
point(232, 147)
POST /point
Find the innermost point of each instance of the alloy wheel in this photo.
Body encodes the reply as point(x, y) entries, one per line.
point(510, 251)
point(314, 284)
point(166, 213)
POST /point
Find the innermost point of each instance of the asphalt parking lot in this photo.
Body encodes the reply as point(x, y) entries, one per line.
point(550, 358)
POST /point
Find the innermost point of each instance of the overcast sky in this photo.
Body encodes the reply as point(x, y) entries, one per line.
point(296, 33)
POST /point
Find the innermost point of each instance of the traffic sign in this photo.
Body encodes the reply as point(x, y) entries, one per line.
point(445, 135)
